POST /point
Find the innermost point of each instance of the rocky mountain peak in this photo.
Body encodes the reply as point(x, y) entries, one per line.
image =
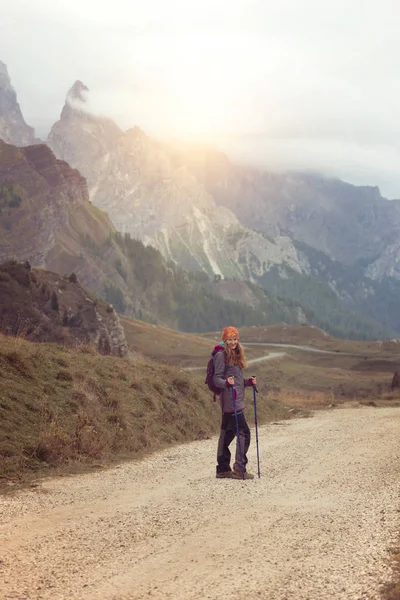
point(75, 100)
point(78, 91)
point(5, 82)
point(13, 128)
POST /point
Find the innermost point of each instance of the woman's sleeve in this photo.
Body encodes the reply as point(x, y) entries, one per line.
point(219, 378)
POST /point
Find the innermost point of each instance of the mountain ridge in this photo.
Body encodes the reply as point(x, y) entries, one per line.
point(47, 219)
point(13, 128)
point(132, 178)
point(298, 204)
point(159, 192)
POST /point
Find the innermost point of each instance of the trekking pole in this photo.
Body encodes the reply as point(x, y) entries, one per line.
point(255, 391)
point(237, 430)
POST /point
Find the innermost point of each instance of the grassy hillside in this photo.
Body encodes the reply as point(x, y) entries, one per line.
point(61, 408)
point(304, 380)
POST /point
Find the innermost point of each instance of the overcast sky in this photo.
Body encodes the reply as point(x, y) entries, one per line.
point(296, 84)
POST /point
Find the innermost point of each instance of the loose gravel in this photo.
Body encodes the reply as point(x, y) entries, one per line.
point(317, 525)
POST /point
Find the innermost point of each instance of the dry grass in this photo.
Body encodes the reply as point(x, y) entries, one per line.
point(57, 405)
point(63, 407)
point(164, 345)
point(311, 380)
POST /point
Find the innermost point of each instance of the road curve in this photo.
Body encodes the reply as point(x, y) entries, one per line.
point(305, 348)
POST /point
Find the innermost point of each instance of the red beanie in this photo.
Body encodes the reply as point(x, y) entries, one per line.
point(229, 333)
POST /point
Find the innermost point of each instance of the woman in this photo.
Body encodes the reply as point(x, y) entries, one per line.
point(229, 360)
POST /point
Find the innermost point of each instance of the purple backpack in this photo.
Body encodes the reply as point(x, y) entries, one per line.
point(210, 373)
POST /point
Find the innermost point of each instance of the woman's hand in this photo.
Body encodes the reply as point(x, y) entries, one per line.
point(253, 380)
point(230, 380)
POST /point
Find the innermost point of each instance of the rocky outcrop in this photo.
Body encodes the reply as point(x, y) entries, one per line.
point(387, 264)
point(13, 128)
point(395, 380)
point(43, 306)
point(135, 181)
point(110, 333)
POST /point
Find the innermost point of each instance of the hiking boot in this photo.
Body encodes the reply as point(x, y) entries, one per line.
point(240, 475)
point(224, 475)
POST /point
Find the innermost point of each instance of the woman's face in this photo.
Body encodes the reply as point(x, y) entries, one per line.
point(232, 342)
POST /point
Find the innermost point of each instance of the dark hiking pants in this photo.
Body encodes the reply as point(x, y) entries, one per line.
point(228, 432)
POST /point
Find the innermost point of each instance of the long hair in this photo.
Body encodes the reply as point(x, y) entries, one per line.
point(236, 356)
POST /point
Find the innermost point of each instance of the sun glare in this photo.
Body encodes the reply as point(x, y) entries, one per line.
point(206, 78)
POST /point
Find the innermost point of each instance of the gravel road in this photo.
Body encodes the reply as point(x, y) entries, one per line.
point(317, 525)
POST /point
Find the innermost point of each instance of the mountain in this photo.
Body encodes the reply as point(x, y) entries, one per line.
point(164, 195)
point(351, 224)
point(132, 178)
point(347, 235)
point(46, 218)
point(354, 225)
point(387, 264)
point(13, 128)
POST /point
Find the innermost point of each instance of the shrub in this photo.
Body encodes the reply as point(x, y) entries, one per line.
point(64, 376)
point(181, 384)
point(54, 302)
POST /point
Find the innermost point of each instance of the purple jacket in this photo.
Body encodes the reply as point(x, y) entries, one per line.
point(223, 370)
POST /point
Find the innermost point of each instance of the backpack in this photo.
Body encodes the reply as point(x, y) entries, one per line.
point(210, 376)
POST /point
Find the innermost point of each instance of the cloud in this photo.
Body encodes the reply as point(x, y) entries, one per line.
point(360, 164)
point(284, 83)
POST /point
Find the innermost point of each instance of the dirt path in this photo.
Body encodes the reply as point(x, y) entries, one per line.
point(306, 348)
point(316, 526)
